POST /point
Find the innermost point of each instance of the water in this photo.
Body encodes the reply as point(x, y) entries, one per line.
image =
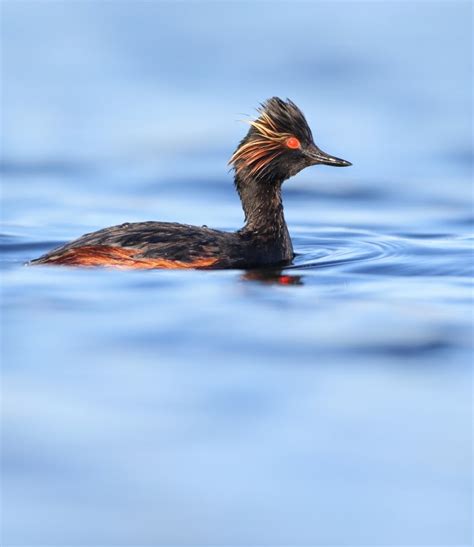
point(328, 403)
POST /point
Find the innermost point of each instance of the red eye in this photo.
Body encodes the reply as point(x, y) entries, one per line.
point(293, 143)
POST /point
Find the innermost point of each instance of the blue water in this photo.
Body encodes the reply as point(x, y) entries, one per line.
point(326, 404)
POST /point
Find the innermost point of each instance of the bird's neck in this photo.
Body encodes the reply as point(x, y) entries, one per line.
point(262, 205)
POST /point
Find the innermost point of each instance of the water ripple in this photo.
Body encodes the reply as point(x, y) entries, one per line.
point(372, 253)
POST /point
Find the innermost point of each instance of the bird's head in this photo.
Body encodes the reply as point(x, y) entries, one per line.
point(279, 144)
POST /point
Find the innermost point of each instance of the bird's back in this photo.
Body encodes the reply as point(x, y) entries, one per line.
point(144, 245)
point(149, 245)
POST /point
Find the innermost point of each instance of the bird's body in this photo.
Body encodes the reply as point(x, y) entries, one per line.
point(150, 245)
point(277, 146)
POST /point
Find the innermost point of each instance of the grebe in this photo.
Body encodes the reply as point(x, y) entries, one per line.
point(278, 145)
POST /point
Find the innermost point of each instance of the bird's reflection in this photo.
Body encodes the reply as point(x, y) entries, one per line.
point(272, 277)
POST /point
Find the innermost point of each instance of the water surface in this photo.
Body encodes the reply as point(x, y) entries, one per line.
point(326, 403)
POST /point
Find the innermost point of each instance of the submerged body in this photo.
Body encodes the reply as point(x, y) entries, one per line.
point(150, 245)
point(278, 145)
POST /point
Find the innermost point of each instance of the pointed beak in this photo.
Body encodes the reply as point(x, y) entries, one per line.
point(316, 156)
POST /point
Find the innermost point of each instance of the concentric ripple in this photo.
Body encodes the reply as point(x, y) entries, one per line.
point(372, 253)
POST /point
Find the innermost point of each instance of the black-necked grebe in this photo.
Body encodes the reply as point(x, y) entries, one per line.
point(278, 145)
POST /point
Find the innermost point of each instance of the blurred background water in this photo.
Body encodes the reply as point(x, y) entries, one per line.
point(330, 403)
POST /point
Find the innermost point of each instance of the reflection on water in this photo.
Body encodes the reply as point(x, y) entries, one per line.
point(270, 277)
point(327, 402)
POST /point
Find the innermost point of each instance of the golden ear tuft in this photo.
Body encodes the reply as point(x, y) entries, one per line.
point(258, 152)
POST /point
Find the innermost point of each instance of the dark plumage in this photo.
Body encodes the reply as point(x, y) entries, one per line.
point(278, 145)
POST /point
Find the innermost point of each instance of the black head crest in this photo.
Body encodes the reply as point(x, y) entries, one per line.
point(285, 118)
point(270, 136)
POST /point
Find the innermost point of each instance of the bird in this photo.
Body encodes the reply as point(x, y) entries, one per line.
point(278, 145)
